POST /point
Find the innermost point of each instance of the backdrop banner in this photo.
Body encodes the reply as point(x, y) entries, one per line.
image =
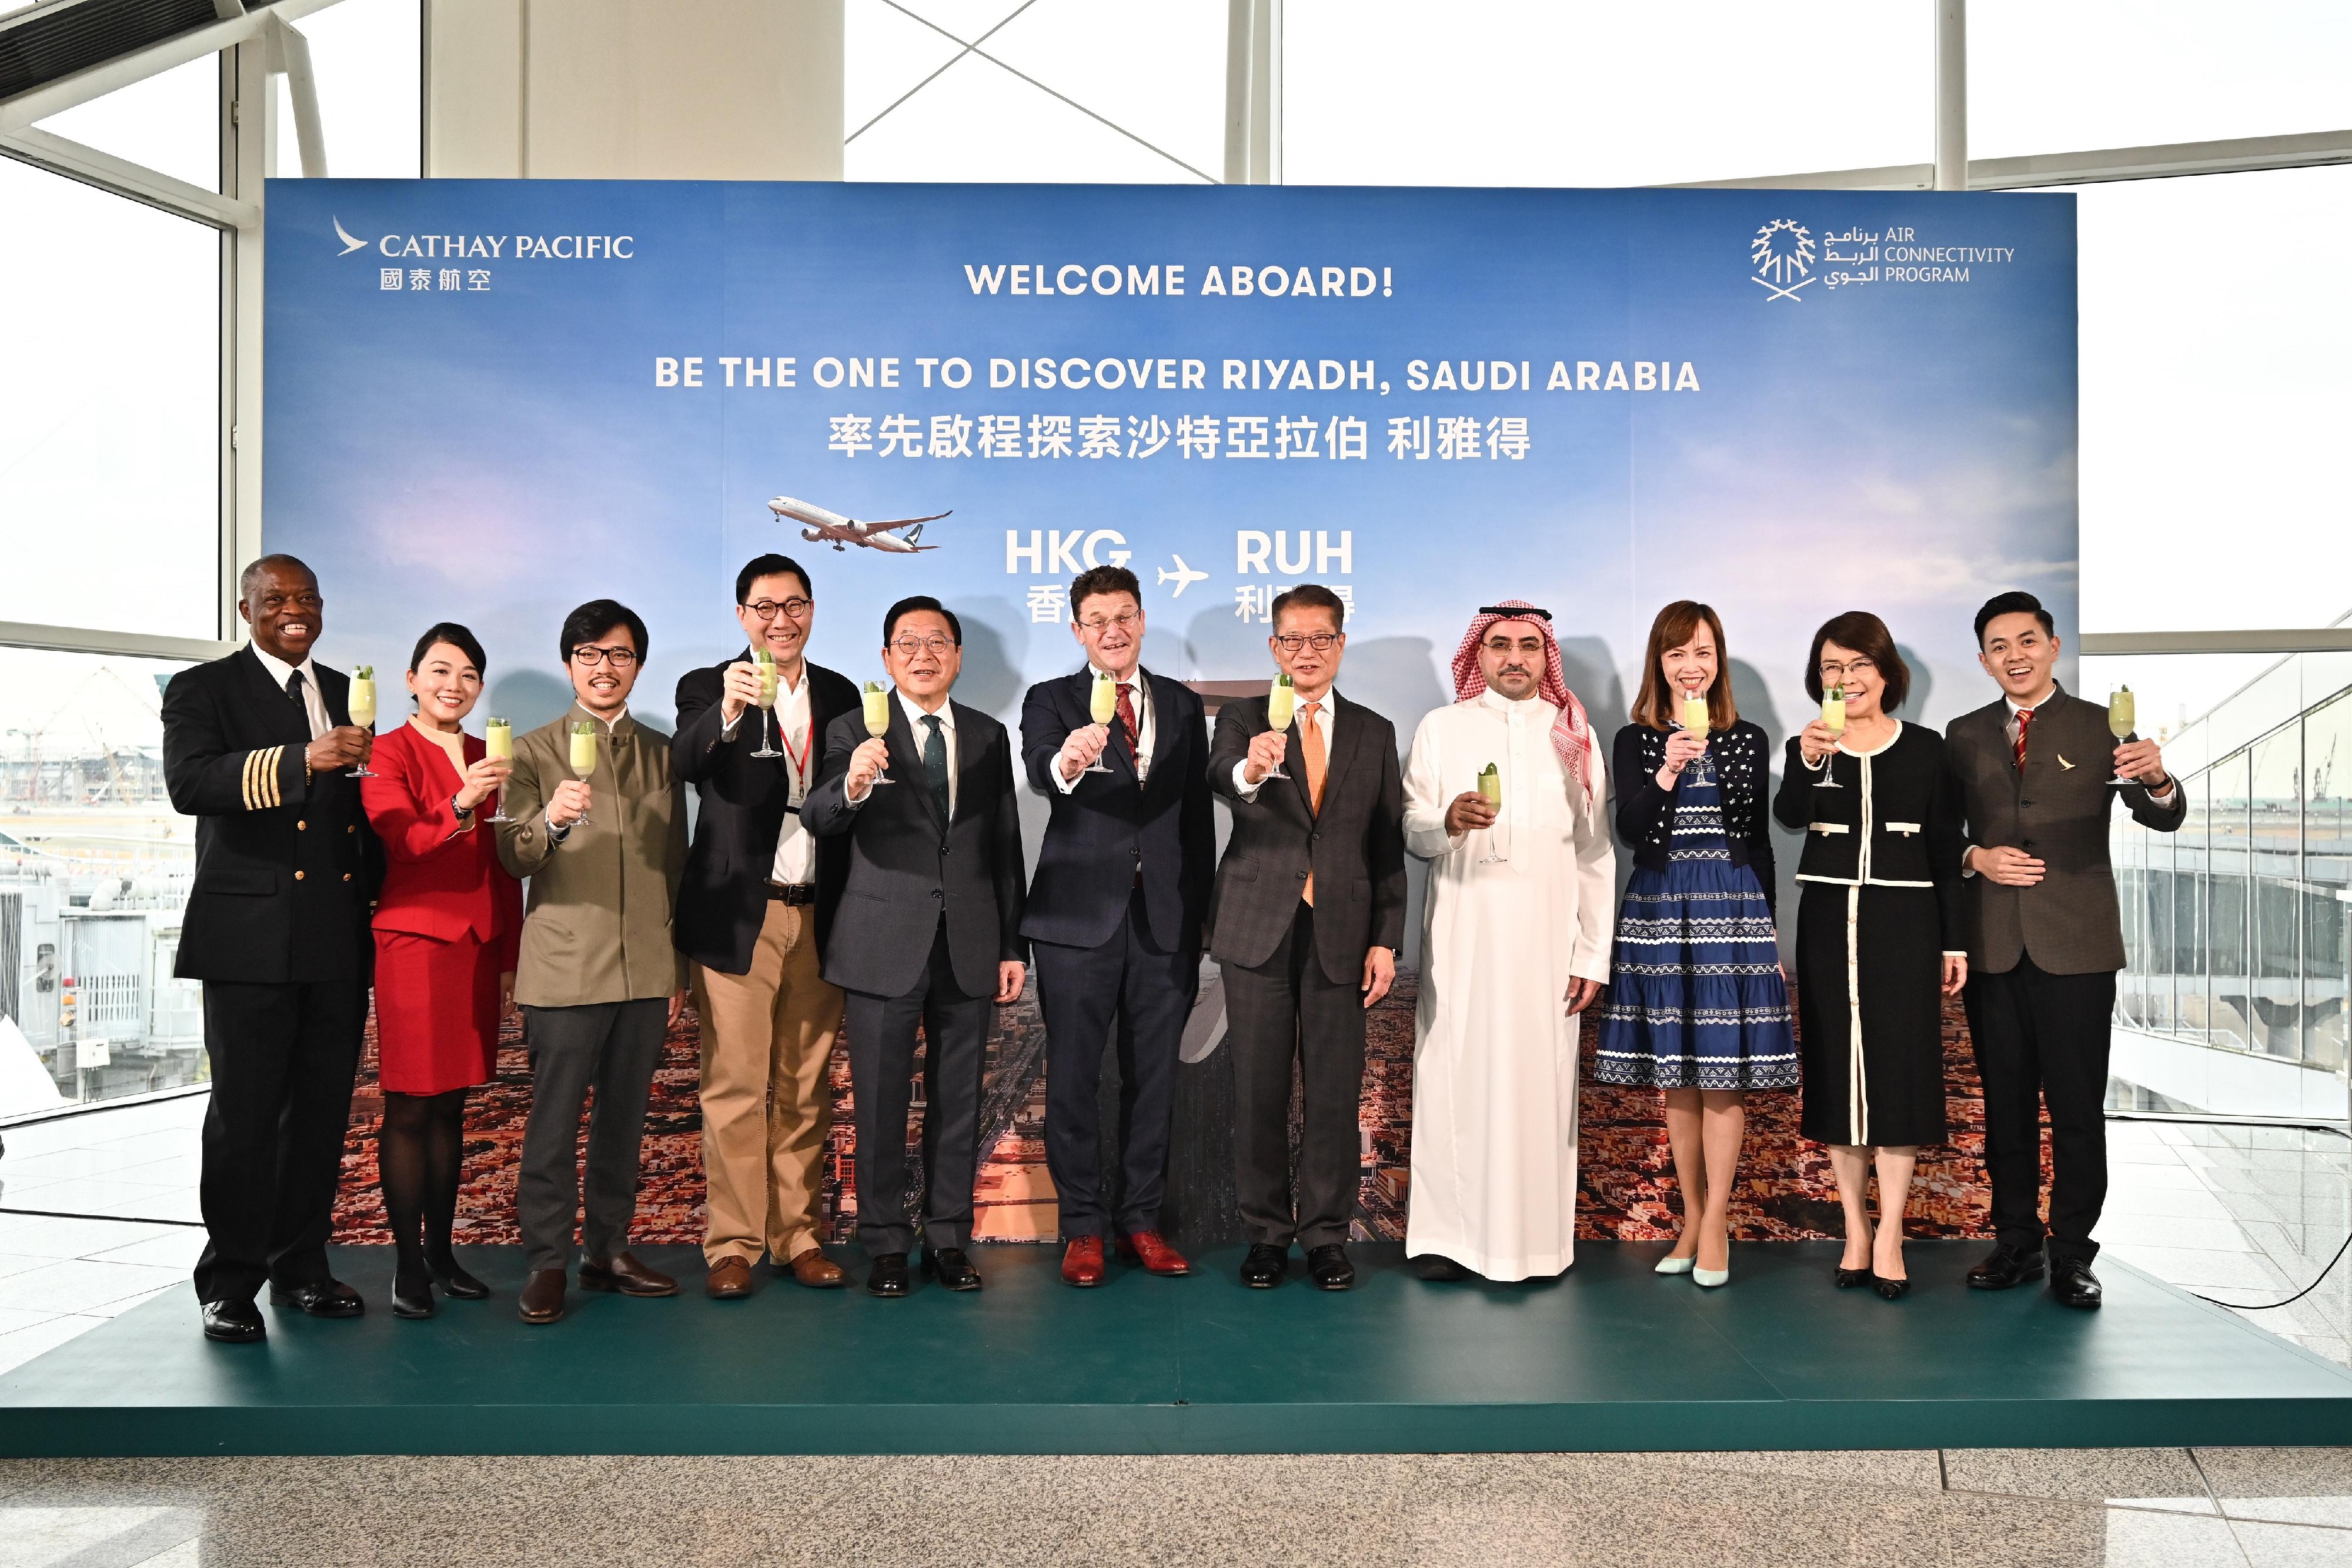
point(488, 400)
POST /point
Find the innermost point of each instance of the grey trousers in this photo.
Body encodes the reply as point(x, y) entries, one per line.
point(1287, 1011)
point(881, 1079)
point(612, 1048)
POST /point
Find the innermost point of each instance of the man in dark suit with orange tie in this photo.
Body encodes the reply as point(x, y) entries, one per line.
point(1309, 912)
point(257, 747)
point(1115, 915)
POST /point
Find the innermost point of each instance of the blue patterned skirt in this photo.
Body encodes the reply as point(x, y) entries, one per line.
point(1695, 995)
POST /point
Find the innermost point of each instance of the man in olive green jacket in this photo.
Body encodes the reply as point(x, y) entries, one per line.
point(599, 981)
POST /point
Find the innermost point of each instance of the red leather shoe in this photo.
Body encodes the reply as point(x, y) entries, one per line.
point(1082, 1261)
point(1151, 1248)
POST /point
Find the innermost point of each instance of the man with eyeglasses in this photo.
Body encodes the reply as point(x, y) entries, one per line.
point(598, 980)
point(1309, 915)
point(1114, 916)
point(928, 934)
point(760, 896)
point(256, 748)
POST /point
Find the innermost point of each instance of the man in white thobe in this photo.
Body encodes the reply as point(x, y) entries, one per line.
point(1515, 945)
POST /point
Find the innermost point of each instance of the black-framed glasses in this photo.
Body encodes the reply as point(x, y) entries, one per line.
point(1835, 674)
point(768, 609)
point(1321, 641)
point(619, 658)
point(934, 644)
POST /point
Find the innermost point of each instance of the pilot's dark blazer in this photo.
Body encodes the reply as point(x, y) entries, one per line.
point(277, 928)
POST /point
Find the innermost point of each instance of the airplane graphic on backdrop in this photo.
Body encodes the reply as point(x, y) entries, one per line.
point(819, 526)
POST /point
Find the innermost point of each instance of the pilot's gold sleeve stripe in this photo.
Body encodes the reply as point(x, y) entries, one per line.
point(269, 776)
point(245, 782)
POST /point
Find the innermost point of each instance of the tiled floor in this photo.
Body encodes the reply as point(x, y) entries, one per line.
point(60, 1277)
point(2114, 1508)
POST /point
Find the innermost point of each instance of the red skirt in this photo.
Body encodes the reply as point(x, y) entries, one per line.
point(436, 1013)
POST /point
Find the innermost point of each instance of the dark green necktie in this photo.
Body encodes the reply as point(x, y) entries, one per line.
point(935, 762)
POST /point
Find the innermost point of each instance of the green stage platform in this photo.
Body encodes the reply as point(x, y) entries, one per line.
point(1610, 1357)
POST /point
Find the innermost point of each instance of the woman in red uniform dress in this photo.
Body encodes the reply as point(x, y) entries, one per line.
point(447, 925)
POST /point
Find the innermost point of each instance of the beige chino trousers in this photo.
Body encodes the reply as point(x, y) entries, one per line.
point(767, 1104)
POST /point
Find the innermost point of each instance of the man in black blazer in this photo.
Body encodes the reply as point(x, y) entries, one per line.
point(1308, 915)
point(758, 897)
point(2045, 938)
point(929, 934)
point(1115, 915)
point(256, 746)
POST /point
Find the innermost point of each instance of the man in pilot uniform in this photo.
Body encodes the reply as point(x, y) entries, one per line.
point(257, 748)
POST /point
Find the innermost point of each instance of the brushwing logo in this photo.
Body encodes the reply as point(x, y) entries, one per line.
point(1782, 255)
point(350, 245)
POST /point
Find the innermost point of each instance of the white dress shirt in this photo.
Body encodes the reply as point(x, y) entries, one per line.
point(1142, 690)
point(1326, 707)
point(313, 704)
point(795, 863)
point(915, 716)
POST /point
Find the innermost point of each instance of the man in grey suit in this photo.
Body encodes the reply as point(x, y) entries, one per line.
point(2045, 938)
point(1308, 912)
point(929, 933)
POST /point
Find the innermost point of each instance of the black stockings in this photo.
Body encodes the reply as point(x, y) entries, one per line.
point(419, 1152)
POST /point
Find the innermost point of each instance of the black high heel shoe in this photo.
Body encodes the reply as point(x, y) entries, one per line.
point(455, 1281)
point(1847, 1279)
point(1890, 1289)
point(412, 1294)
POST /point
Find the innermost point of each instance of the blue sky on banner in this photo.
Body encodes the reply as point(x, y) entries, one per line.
point(488, 400)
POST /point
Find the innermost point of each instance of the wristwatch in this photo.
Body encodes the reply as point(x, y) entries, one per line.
point(463, 813)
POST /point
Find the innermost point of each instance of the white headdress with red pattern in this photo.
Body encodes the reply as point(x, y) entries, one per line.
point(1571, 734)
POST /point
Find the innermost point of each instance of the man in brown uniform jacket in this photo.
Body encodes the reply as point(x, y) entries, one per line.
point(599, 981)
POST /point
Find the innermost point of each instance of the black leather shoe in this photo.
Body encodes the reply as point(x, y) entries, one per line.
point(234, 1323)
point(1264, 1266)
point(1328, 1267)
point(1431, 1265)
point(950, 1268)
point(412, 1293)
point(1890, 1289)
point(888, 1275)
point(321, 1299)
point(1848, 1279)
point(2008, 1266)
point(455, 1282)
point(2071, 1281)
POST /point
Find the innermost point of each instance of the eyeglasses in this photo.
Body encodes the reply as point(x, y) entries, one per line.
point(1835, 673)
point(1321, 641)
point(619, 658)
point(935, 645)
point(1125, 622)
point(768, 609)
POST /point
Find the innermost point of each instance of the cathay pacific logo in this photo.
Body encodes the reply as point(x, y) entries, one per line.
point(350, 245)
point(491, 248)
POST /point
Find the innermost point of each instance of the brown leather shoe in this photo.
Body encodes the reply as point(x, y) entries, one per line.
point(624, 1273)
point(731, 1279)
point(1151, 1248)
point(543, 1296)
point(1082, 1261)
point(816, 1270)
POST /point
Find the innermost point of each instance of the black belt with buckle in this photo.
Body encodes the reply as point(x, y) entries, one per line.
point(798, 893)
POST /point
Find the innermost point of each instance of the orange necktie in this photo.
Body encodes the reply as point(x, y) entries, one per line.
point(1310, 742)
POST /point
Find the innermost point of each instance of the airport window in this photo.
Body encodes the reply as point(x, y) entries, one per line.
point(169, 123)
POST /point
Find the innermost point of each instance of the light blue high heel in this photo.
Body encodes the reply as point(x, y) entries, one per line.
point(1675, 1265)
point(1711, 1277)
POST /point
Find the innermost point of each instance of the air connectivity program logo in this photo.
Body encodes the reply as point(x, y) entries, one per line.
point(1782, 255)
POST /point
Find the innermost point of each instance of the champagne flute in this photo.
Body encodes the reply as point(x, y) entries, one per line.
point(1281, 707)
point(1490, 786)
point(1697, 719)
point(765, 662)
point(2122, 713)
point(1833, 720)
point(363, 708)
point(497, 744)
point(877, 703)
point(1102, 704)
point(583, 754)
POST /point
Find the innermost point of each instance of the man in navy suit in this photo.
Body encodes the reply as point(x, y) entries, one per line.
point(1114, 916)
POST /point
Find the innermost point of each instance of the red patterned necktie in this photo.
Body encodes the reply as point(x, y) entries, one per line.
point(1126, 715)
point(2024, 722)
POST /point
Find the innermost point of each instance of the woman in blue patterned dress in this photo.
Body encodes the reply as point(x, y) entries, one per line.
point(1698, 1005)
